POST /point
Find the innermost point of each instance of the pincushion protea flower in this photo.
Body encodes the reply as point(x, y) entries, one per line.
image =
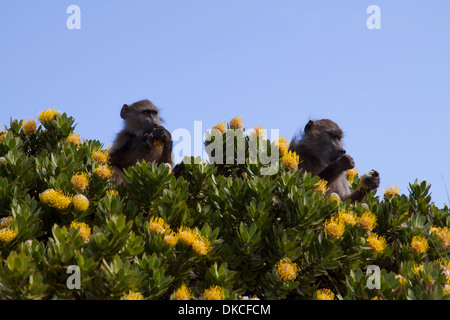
point(213, 293)
point(419, 244)
point(74, 138)
point(290, 160)
point(80, 202)
point(80, 181)
point(55, 199)
point(220, 127)
point(29, 127)
point(132, 295)
point(236, 123)
point(47, 115)
point(324, 294)
point(7, 235)
point(393, 190)
point(84, 229)
point(376, 242)
point(101, 156)
point(103, 171)
point(350, 174)
point(182, 293)
point(282, 145)
point(287, 270)
point(334, 227)
point(367, 221)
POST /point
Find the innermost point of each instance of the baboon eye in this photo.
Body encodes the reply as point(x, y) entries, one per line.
point(149, 112)
point(335, 136)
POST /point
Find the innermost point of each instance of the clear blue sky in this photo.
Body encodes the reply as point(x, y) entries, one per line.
point(275, 63)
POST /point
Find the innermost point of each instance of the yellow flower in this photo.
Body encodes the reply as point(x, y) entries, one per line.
point(131, 295)
point(80, 181)
point(47, 115)
point(112, 192)
point(417, 269)
point(80, 202)
point(324, 294)
point(157, 225)
point(182, 293)
point(3, 136)
point(187, 235)
point(335, 197)
point(321, 186)
point(419, 244)
point(5, 222)
point(350, 174)
point(443, 234)
point(7, 235)
point(435, 229)
point(74, 138)
point(158, 144)
point(236, 123)
point(101, 156)
point(348, 217)
point(377, 298)
point(447, 289)
point(220, 126)
point(368, 221)
point(376, 242)
point(402, 281)
point(170, 238)
point(334, 227)
point(29, 127)
point(55, 199)
point(103, 171)
point(259, 132)
point(201, 246)
point(287, 270)
point(290, 160)
point(213, 293)
point(84, 231)
point(282, 145)
point(391, 191)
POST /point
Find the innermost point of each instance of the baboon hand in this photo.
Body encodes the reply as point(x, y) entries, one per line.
point(373, 181)
point(345, 162)
point(162, 134)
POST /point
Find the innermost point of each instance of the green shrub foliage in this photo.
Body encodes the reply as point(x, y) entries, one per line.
point(217, 230)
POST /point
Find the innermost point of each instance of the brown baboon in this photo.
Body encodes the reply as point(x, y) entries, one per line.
point(321, 153)
point(143, 138)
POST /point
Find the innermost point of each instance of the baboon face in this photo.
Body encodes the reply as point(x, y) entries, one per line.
point(324, 138)
point(141, 117)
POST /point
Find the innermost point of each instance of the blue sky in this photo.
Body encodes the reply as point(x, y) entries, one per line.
point(275, 63)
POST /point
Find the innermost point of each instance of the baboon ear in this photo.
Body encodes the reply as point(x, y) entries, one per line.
point(309, 126)
point(124, 111)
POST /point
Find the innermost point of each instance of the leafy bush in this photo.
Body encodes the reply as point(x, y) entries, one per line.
point(218, 231)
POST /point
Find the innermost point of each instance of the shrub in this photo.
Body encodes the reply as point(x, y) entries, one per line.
point(218, 231)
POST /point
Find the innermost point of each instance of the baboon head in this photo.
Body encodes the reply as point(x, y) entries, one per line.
point(141, 117)
point(322, 139)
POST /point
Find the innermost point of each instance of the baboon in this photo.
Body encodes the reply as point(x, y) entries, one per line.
point(321, 153)
point(143, 138)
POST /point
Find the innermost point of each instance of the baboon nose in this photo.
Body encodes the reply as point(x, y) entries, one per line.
point(342, 152)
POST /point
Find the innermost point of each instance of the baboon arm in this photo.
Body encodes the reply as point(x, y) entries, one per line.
point(167, 154)
point(331, 172)
point(356, 195)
